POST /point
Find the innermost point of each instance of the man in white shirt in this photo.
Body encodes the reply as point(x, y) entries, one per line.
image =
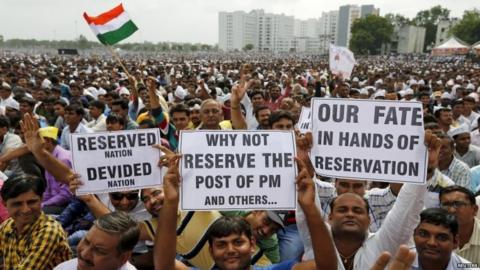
point(107, 245)
point(98, 123)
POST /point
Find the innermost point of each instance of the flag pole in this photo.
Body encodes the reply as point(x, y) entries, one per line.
point(117, 57)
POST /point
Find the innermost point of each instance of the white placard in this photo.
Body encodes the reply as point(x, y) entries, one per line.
point(304, 124)
point(232, 170)
point(341, 61)
point(116, 161)
point(369, 140)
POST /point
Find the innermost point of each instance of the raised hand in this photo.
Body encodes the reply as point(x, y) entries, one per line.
point(305, 185)
point(171, 181)
point(30, 127)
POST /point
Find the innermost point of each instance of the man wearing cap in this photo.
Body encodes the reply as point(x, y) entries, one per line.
point(464, 151)
point(6, 97)
point(457, 111)
point(57, 195)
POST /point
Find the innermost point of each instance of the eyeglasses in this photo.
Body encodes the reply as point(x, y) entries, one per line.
point(119, 196)
point(454, 204)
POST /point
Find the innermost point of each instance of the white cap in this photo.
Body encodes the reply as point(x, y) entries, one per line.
point(412, 82)
point(459, 78)
point(470, 86)
point(421, 82)
point(379, 81)
point(436, 108)
point(450, 82)
point(355, 79)
point(364, 91)
point(379, 93)
point(123, 91)
point(101, 91)
point(46, 84)
point(180, 92)
point(409, 91)
point(6, 85)
point(446, 95)
point(11, 103)
point(459, 130)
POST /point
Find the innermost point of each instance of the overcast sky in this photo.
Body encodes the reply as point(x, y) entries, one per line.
point(179, 20)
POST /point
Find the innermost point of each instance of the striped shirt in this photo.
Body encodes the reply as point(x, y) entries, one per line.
point(459, 172)
point(471, 250)
point(471, 157)
point(42, 245)
point(380, 201)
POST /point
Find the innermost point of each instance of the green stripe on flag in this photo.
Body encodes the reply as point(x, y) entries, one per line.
point(113, 37)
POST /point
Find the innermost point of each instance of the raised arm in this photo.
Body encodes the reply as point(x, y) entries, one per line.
point(238, 93)
point(166, 237)
point(323, 248)
point(34, 142)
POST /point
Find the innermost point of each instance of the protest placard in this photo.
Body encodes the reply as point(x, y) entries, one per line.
point(114, 161)
point(341, 61)
point(234, 170)
point(304, 121)
point(369, 140)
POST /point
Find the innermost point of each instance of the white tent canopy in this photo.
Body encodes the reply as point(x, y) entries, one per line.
point(476, 48)
point(452, 46)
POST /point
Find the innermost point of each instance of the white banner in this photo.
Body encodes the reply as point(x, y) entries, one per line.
point(369, 140)
point(341, 61)
point(304, 121)
point(233, 170)
point(116, 161)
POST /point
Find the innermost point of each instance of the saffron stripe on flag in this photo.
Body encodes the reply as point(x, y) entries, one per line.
point(112, 25)
point(123, 32)
point(104, 17)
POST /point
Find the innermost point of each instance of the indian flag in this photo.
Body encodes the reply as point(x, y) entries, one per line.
point(112, 26)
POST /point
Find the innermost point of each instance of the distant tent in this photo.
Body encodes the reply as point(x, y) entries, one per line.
point(476, 48)
point(67, 52)
point(452, 46)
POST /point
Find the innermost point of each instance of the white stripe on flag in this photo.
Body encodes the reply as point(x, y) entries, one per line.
point(112, 25)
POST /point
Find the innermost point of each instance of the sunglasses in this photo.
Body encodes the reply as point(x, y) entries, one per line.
point(119, 196)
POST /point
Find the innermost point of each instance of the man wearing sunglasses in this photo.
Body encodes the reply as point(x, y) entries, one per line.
point(460, 202)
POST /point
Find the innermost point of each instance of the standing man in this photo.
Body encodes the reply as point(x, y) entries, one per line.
point(29, 239)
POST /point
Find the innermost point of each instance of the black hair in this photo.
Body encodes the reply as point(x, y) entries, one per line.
point(260, 108)
point(121, 102)
point(78, 109)
point(113, 95)
point(179, 108)
point(429, 118)
point(226, 226)
point(61, 102)
point(332, 203)
point(443, 109)
point(456, 188)
point(257, 92)
point(97, 104)
point(30, 101)
point(279, 115)
point(22, 183)
point(115, 118)
point(4, 122)
point(439, 216)
point(147, 122)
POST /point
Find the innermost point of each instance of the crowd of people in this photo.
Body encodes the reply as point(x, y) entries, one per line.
point(338, 224)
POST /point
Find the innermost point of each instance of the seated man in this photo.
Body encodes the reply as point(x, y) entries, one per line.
point(29, 239)
point(230, 238)
point(107, 245)
point(435, 239)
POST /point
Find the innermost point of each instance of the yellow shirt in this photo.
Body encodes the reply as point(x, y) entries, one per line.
point(194, 235)
point(42, 245)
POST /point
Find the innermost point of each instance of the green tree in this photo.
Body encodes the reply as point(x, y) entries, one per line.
point(248, 47)
point(1, 39)
point(468, 28)
point(82, 42)
point(398, 19)
point(429, 19)
point(369, 33)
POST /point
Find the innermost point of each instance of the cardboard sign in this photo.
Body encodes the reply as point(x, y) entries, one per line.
point(341, 61)
point(369, 140)
point(232, 170)
point(116, 161)
point(304, 121)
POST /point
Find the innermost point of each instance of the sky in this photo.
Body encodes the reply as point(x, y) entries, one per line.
point(194, 21)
